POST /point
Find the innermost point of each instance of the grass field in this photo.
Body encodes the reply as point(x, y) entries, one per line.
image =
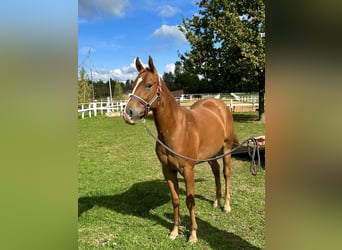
point(124, 202)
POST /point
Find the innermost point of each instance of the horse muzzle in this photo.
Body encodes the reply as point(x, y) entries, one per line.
point(131, 115)
point(128, 119)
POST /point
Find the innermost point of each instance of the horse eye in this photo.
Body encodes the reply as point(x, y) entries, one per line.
point(148, 85)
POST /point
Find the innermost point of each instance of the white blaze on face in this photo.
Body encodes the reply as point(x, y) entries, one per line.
point(127, 116)
point(140, 79)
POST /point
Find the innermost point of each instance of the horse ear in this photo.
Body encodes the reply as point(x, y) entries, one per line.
point(150, 64)
point(138, 64)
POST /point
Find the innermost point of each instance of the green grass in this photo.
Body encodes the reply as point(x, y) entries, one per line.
point(124, 202)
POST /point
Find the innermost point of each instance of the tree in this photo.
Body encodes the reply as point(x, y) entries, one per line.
point(169, 79)
point(185, 80)
point(227, 43)
point(127, 86)
point(84, 87)
point(117, 91)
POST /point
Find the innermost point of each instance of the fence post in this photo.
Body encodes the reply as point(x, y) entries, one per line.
point(82, 110)
point(95, 108)
point(231, 105)
point(122, 104)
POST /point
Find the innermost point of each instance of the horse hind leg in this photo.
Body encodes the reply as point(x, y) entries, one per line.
point(190, 200)
point(226, 174)
point(215, 168)
point(229, 141)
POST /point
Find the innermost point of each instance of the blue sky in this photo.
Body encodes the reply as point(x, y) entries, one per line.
point(117, 31)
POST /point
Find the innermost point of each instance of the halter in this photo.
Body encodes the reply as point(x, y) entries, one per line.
point(148, 104)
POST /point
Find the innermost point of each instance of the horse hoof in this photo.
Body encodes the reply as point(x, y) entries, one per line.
point(173, 236)
point(215, 204)
point(192, 239)
point(227, 209)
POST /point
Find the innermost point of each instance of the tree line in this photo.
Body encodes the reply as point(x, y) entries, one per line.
point(89, 91)
point(192, 83)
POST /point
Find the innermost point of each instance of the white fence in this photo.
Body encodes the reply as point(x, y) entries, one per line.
point(252, 105)
point(246, 97)
point(252, 99)
point(249, 102)
point(190, 97)
point(94, 107)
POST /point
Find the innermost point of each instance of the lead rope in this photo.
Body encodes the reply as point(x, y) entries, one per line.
point(253, 169)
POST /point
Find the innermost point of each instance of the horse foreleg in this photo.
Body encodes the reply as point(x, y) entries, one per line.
point(172, 181)
point(215, 167)
point(189, 178)
point(226, 173)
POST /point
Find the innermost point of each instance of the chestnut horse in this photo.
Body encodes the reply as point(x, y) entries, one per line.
point(199, 133)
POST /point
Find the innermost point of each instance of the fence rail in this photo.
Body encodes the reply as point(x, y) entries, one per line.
point(118, 106)
point(94, 107)
point(238, 107)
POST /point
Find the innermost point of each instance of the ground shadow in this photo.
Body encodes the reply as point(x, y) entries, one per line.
point(245, 117)
point(218, 239)
point(144, 196)
point(137, 201)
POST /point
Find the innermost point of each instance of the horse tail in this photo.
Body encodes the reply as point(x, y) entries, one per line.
point(235, 141)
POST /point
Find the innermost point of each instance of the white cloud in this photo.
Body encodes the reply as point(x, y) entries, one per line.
point(170, 32)
point(167, 11)
point(169, 68)
point(123, 74)
point(93, 9)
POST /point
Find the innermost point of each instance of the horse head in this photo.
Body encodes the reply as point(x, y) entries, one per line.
point(146, 89)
